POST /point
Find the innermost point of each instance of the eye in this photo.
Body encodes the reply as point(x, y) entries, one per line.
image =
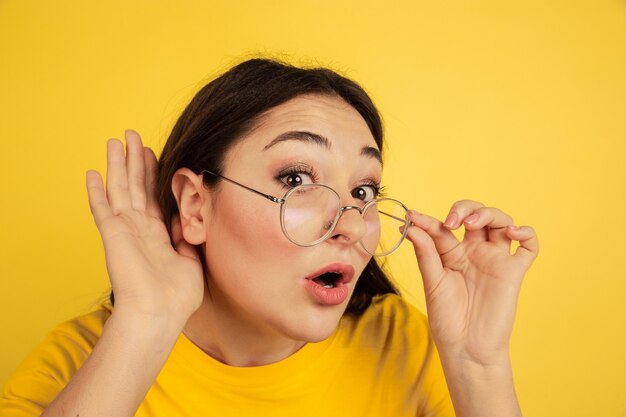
point(365, 193)
point(296, 178)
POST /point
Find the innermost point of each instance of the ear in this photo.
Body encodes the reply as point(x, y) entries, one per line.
point(191, 199)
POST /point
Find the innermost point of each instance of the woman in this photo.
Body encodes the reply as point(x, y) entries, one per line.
point(245, 280)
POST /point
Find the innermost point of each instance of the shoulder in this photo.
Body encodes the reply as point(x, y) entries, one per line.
point(389, 318)
point(84, 330)
point(391, 340)
point(68, 345)
point(394, 306)
point(50, 366)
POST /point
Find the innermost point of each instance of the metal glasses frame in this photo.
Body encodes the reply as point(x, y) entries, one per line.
point(340, 210)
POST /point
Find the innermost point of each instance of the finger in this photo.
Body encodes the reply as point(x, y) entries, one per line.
point(529, 244)
point(136, 170)
point(178, 240)
point(152, 204)
point(428, 259)
point(488, 223)
point(459, 211)
point(98, 203)
point(442, 237)
point(117, 181)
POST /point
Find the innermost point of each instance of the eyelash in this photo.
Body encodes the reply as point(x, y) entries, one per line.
point(379, 191)
point(296, 169)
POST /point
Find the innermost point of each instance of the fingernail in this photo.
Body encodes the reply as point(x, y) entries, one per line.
point(451, 220)
point(413, 213)
point(513, 227)
point(472, 219)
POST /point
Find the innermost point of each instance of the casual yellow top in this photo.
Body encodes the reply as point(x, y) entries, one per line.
point(382, 363)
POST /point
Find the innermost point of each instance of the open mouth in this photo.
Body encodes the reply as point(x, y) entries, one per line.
point(328, 279)
point(329, 285)
point(333, 275)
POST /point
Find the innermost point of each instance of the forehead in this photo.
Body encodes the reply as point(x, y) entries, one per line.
point(330, 117)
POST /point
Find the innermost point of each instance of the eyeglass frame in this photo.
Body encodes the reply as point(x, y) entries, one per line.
point(361, 210)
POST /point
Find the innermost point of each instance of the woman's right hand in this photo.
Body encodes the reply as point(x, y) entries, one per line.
point(150, 273)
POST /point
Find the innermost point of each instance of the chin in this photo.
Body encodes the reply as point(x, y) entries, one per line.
point(319, 336)
point(317, 327)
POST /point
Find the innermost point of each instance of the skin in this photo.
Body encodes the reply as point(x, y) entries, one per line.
point(242, 319)
point(471, 286)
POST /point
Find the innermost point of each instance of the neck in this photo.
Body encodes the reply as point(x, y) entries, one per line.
point(234, 337)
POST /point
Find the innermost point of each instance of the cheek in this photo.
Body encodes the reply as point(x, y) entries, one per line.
point(245, 238)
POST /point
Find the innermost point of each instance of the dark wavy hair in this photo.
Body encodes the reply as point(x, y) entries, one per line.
point(228, 107)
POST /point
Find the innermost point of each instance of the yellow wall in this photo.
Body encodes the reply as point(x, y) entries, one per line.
point(521, 105)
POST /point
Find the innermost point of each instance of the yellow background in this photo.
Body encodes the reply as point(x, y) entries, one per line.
point(520, 105)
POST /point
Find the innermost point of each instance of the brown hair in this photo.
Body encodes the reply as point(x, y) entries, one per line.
point(228, 107)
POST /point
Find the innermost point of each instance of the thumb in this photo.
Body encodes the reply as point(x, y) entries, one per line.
point(428, 258)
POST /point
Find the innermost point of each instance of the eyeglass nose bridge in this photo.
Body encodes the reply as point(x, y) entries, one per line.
point(341, 211)
point(332, 224)
point(345, 208)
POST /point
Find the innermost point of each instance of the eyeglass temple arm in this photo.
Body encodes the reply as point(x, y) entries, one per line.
point(393, 217)
point(269, 197)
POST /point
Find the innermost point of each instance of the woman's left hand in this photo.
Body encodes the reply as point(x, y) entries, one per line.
point(472, 286)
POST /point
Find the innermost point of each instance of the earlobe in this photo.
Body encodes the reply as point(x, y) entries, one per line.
point(188, 189)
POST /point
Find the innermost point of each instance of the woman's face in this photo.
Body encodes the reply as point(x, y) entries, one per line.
point(258, 277)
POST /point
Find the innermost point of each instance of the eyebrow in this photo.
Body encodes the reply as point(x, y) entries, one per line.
point(314, 138)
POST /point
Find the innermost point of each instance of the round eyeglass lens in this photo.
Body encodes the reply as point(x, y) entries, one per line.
point(308, 213)
point(385, 219)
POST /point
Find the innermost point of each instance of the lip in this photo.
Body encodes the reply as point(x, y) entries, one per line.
point(335, 295)
point(346, 271)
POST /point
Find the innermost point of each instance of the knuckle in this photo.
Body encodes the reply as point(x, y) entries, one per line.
point(497, 214)
point(467, 205)
point(137, 178)
point(432, 226)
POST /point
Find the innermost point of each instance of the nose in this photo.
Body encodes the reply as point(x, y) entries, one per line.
point(350, 227)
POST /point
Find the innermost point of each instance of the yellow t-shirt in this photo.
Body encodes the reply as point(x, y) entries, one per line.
point(382, 363)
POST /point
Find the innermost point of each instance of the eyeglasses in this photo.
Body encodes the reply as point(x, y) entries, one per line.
point(309, 214)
